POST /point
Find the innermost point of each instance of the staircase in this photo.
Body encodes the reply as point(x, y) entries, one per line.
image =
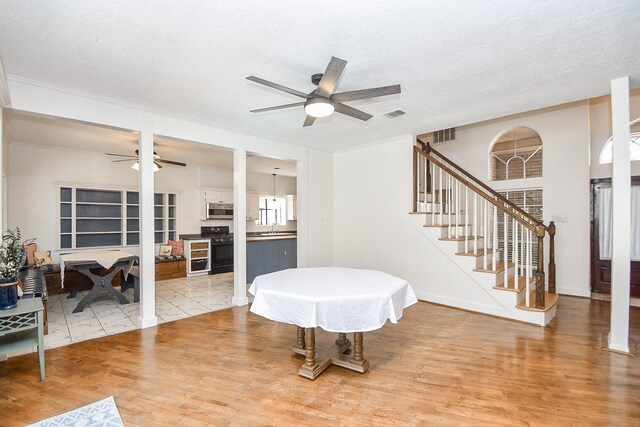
point(496, 243)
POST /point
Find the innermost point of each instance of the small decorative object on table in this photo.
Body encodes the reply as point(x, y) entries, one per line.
point(12, 257)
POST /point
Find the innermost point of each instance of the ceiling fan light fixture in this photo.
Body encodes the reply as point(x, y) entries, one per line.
point(136, 166)
point(319, 107)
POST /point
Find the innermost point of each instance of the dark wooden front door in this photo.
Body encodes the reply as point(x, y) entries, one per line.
point(601, 269)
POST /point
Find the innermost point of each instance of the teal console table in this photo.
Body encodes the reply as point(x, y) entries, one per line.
point(22, 328)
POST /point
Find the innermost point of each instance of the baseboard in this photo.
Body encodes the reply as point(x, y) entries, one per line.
point(465, 305)
point(576, 292)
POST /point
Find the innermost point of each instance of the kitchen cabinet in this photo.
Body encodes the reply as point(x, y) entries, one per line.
point(292, 207)
point(268, 256)
point(198, 253)
point(253, 206)
point(217, 196)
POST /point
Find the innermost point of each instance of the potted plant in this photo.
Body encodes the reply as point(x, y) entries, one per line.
point(12, 257)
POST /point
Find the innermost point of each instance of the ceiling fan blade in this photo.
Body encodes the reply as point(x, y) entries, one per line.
point(121, 155)
point(309, 121)
point(350, 111)
point(277, 86)
point(158, 164)
point(331, 75)
point(170, 162)
point(123, 160)
point(355, 95)
point(279, 107)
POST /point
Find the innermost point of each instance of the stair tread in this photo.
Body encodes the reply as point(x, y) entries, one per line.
point(550, 300)
point(499, 267)
point(480, 252)
point(429, 213)
point(522, 284)
point(459, 239)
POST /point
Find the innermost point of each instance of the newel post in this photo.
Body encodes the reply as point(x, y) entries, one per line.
point(551, 229)
point(540, 280)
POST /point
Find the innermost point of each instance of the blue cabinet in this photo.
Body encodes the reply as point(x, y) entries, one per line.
point(268, 256)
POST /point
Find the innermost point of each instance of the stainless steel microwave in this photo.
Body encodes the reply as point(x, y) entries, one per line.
point(219, 210)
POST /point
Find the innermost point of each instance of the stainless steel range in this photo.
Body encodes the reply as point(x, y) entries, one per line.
point(221, 248)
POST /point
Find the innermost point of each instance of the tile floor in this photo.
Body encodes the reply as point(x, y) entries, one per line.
point(175, 299)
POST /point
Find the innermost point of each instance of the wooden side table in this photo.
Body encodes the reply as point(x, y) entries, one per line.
point(22, 328)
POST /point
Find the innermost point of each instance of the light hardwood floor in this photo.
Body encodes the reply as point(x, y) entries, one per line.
point(438, 365)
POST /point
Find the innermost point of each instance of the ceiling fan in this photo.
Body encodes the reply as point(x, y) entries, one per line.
point(157, 159)
point(322, 102)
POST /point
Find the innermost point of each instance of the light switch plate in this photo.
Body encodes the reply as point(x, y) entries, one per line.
point(560, 218)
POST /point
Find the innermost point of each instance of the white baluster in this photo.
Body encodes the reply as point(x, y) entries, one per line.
point(485, 236)
point(426, 183)
point(433, 187)
point(466, 220)
point(505, 239)
point(527, 279)
point(440, 211)
point(448, 192)
point(457, 208)
point(418, 183)
point(495, 238)
point(515, 251)
point(476, 220)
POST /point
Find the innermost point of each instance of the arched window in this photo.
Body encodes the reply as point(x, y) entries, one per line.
point(516, 154)
point(606, 155)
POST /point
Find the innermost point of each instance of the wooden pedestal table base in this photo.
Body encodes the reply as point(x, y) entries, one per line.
point(316, 362)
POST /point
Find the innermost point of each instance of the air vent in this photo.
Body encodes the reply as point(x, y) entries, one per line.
point(393, 114)
point(444, 135)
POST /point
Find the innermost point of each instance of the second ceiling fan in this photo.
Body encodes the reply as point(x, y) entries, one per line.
point(323, 101)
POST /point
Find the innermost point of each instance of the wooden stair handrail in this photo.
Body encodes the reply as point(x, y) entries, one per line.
point(501, 203)
point(459, 177)
point(497, 195)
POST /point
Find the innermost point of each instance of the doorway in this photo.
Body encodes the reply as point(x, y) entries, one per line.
point(601, 237)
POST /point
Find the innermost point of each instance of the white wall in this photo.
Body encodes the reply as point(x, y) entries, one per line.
point(320, 209)
point(373, 197)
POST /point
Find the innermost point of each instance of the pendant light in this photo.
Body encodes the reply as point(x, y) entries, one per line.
point(274, 187)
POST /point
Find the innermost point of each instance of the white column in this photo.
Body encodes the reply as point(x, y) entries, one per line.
point(147, 316)
point(5, 101)
point(240, 225)
point(3, 187)
point(621, 216)
point(302, 186)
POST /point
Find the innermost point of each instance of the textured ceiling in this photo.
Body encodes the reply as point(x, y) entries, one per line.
point(458, 62)
point(72, 135)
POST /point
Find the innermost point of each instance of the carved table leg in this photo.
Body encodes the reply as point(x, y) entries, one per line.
point(357, 347)
point(342, 342)
point(310, 348)
point(355, 362)
point(298, 347)
point(311, 369)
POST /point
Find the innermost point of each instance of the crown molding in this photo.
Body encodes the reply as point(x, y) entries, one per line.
point(5, 99)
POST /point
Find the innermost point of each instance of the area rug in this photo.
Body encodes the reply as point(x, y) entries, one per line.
point(103, 413)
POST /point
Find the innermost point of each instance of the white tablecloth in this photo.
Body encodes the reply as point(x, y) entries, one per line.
point(332, 298)
point(104, 258)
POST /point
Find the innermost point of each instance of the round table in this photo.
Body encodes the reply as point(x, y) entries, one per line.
point(336, 299)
